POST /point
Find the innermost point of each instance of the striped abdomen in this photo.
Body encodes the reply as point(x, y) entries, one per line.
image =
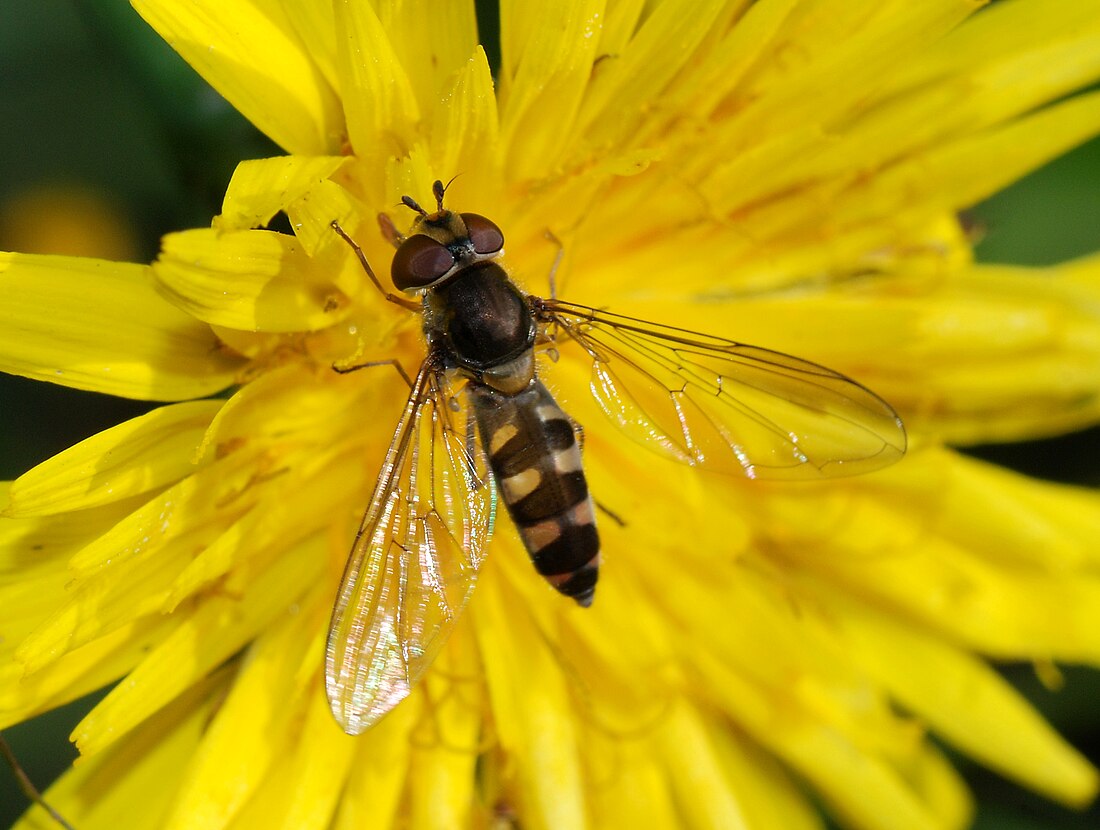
point(535, 457)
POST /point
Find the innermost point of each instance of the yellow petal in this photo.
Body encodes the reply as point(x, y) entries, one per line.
point(295, 406)
point(312, 215)
point(633, 75)
point(442, 782)
point(852, 51)
point(303, 791)
point(252, 54)
point(769, 796)
point(262, 187)
point(548, 51)
point(1025, 523)
point(251, 280)
point(863, 788)
point(969, 704)
point(77, 673)
point(533, 718)
point(793, 692)
point(464, 134)
point(696, 775)
point(290, 511)
point(133, 779)
point(1012, 353)
point(1013, 57)
point(942, 788)
point(42, 545)
point(633, 788)
point(975, 167)
point(376, 780)
point(898, 546)
point(145, 453)
point(205, 502)
point(101, 326)
point(128, 570)
point(313, 24)
point(253, 728)
point(378, 96)
point(33, 553)
point(213, 632)
point(431, 40)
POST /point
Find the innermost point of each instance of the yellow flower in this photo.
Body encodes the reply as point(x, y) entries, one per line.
point(785, 173)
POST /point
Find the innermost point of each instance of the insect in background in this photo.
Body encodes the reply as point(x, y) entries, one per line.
point(478, 415)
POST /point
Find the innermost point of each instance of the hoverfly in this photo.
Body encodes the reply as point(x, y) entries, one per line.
point(478, 415)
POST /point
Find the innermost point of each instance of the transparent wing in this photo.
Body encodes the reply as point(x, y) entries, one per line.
point(415, 559)
point(715, 403)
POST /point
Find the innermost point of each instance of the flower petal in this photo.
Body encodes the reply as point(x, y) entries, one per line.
point(252, 54)
point(1012, 58)
point(253, 728)
point(145, 453)
point(767, 792)
point(127, 571)
point(697, 779)
point(42, 545)
point(1026, 524)
point(548, 52)
point(915, 542)
point(633, 788)
point(379, 101)
point(431, 40)
point(1009, 354)
point(631, 76)
point(792, 691)
point(530, 705)
point(260, 188)
point(313, 24)
point(303, 790)
point(133, 779)
point(464, 135)
point(289, 512)
point(376, 781)
point(966, 171)
point(76, 673)
point(968, 704)
point(97, 325)
point(443, 776)
point(33, 553)
point(252, 280)
point(863, 787)
point(211, 633)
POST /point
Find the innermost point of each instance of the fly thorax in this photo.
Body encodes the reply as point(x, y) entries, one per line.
point(483, 318)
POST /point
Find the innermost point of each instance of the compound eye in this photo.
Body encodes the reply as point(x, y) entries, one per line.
point(484, 235)
point(419, 262)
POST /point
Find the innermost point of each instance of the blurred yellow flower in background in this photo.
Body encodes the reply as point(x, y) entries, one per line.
point(784, 173)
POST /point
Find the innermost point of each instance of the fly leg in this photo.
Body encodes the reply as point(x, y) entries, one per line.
point(355, 367)
point(396, 299)
point(390, 231)
point(611, 514)
point(547, 338)
point(578, 430)
point(551, 278)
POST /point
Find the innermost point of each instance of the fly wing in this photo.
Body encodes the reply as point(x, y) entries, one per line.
point(723, 405)
point(415, 559)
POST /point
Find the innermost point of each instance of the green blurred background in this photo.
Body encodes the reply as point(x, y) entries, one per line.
point(109, 140)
